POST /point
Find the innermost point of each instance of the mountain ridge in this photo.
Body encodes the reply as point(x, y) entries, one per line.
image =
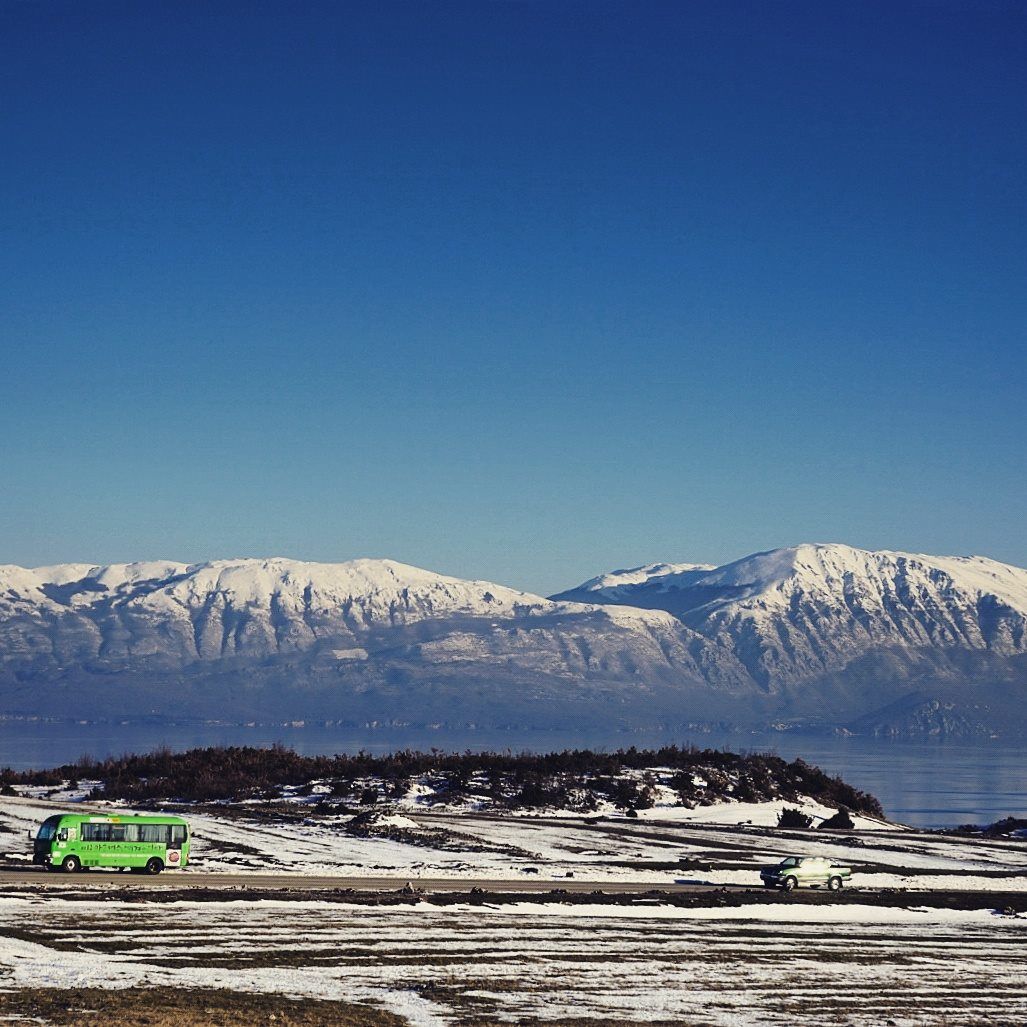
point(832, 618)
point(822, 635)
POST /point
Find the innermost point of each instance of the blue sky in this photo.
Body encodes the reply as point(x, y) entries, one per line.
point(520, 291)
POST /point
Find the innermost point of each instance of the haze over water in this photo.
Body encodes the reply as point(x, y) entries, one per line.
point(930, 784)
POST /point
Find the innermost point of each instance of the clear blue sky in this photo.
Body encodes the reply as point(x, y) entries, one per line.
point(513, 290)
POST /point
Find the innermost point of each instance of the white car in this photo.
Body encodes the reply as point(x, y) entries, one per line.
point(812, 871)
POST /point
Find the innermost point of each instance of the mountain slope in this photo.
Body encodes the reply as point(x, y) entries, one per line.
point(815, 635)
point(226, 607)
point(846, 625)
point(610, 587)
point(251, 639)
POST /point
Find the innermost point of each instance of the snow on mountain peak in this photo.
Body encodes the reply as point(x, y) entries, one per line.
point(823, 627)
point(794, 613)
point(609, 585)
point(833, 569)
point(823, 568)
point(255, 581)
point(807, 561)
point(369, 614)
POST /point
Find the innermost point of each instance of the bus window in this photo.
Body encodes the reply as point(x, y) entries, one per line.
point(117, 833)
point(153, 833)
point(96, 832)
point(177, 836)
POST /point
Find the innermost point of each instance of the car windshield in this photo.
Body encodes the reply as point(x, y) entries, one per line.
point(47, 830)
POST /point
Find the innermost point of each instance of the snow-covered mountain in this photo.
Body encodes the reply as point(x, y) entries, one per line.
point(252, 639)
point(810, 615)
point(815, 634)
point(230, 607)
point(609, 587)
point(809, 608)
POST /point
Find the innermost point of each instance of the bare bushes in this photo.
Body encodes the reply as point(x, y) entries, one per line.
point(573, 779)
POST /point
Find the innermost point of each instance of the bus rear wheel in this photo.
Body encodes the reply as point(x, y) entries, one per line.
point(153, 866)
point(71, 865)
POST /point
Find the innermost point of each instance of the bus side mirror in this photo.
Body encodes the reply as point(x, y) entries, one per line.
point(32, 837)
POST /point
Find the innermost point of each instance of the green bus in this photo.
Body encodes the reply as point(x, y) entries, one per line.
point(142, 843)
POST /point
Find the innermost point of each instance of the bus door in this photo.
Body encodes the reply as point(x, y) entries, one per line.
point(176, 845)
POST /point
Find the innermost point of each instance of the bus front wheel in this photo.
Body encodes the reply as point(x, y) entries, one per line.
point(71, 865)
point(154, 866)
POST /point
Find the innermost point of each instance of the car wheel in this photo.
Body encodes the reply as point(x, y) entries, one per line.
point(790, 883)
point(71, 865)
point(154, 866)
point(835, 884)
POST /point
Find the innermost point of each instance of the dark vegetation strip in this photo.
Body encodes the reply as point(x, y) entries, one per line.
point(572, 779)
point(1006, 903)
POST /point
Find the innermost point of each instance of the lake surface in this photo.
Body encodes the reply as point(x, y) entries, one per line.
point(937, 784)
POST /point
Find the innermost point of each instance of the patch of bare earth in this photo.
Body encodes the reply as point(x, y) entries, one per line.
point(182, 1007)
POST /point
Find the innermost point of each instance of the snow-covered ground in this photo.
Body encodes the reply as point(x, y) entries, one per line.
point(657, 849)
point(710, 962)
point(757, 814)
point(856, 965)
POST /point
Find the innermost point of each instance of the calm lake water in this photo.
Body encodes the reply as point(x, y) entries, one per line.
point(935, 784)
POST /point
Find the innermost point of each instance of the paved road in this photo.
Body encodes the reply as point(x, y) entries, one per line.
point(36, 877)
point(32, 878)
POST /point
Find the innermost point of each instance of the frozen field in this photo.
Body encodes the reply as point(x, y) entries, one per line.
point(933, 932)
point(541, 963)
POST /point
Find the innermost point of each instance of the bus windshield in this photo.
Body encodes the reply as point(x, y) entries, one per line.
point(47, 830)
